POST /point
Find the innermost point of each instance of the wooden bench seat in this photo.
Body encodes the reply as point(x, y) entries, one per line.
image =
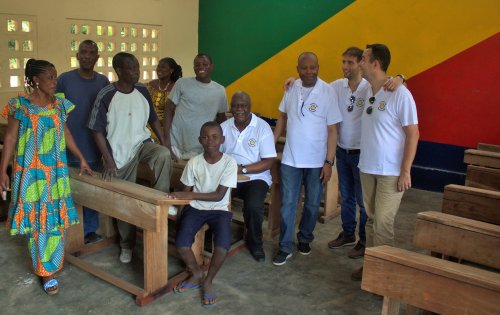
point(138, 205)
point(429, 283)
point(473, 203)
point(483, 177)
point(463, 238)
point(482, 158)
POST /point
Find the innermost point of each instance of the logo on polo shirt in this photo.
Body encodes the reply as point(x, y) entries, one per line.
point(360, 102)
point(252, 142)
point(381, 105)
point(312, 107)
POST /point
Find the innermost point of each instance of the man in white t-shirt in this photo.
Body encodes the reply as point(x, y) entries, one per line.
point(250, 141)
point(310, 113)
point(389, 138)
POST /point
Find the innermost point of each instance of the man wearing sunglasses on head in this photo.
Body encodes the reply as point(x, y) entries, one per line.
point(389, 137)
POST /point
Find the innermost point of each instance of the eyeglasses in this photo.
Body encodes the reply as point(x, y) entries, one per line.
point(352, 99)
point(369, 110)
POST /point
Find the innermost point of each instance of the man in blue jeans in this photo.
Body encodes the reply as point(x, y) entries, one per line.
point(310, 113)
point(81, 86)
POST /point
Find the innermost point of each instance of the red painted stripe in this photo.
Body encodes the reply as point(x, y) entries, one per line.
point(458, 101)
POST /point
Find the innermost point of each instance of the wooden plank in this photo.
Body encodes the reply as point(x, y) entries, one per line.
point(99, 273)
point(273, 216)
point(459, 237)
point(156, 253)
point(483, 177)
point(390, 306)
point(488, 147)
point(74, 234)
point(473, 203)
point(429, 283)
point(331, 196)
point(482, 158)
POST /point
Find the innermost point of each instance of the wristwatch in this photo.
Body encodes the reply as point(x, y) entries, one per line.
point(243, 169)
point(402, 77)
point(331, 163)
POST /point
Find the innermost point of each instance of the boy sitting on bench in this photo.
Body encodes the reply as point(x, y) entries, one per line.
point(207, 180)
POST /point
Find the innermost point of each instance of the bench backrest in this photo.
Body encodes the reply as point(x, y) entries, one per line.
point(483, 177)
point(482, 158)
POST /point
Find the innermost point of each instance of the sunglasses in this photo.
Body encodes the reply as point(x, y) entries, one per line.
point(352, 99)
point(369, 110)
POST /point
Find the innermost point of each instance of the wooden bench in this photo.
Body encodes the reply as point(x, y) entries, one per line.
point(482, 158)
point(473, 203)
point(488, 147)
point(483, 177)
point(451, 235)
point(141, 206)
point(429, 283)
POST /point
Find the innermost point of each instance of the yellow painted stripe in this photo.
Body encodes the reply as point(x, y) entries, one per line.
point(420, 34)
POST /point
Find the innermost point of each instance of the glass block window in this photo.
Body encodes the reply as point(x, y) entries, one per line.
point(18, 44)
point(112, 37)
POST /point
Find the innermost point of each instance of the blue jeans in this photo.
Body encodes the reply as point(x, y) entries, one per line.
point(90, 216)
point(291, 182)
point(350, 191)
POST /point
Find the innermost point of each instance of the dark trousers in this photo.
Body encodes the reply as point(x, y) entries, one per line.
point(253, 194)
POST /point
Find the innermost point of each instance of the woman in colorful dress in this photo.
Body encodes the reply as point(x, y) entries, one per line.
point(168, 72)
point(41, 206)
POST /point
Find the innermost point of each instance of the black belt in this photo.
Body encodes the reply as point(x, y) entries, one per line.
point(349, 151)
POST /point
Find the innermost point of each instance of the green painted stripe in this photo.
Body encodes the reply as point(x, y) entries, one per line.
point(240, 35)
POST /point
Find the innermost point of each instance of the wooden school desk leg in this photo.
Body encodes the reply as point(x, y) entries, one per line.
point(390, 306)
point(273, 216)
point(74, 234)
point(332, 208)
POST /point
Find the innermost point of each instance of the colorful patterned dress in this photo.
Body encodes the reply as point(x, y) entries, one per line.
point(42, 206)
point(159, 99)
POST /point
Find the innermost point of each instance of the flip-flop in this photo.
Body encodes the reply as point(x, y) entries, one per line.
point(185, 286)
point(208, 297)
point(50, 284)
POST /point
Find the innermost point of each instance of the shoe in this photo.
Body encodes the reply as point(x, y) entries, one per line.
point(92, 238)
point(51, 287)
point(357, 274)
point(126, 255)
point(341, 240)
point(281, 258)
point(258, 255)
point(358, 251)
point(304, 248)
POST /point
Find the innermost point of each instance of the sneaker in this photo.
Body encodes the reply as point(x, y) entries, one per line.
point(341, 240)
point(92, 238)
point(258, 255)
point(126, 255)
point(358, 251)
point(281, 258)
point(357, 274)
point(304, 248)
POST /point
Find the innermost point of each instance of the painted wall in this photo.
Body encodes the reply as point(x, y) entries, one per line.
point(446, 48)
point(178, 35)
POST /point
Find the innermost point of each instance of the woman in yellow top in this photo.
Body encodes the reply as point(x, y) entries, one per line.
point(168, 71)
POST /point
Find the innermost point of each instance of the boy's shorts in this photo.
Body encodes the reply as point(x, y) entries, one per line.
point(193, 219)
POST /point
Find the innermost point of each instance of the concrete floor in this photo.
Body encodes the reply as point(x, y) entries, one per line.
point(315, 284)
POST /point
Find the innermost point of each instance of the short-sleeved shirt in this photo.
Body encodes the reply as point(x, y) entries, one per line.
point(196, 103)
point(205, 178)
point(307, 124)
point(81, 92)
point(123, 118)
point(383, 137)
point(350, 127)
point(251, 145)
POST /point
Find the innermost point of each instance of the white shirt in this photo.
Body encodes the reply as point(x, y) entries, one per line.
point(307, 124)
point(382, 134)
point(205, 178)
point(251, 145)
point(350, 127)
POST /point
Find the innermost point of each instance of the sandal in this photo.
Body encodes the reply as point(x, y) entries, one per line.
point(208, 297)
point(185, 286)
point(52, 283)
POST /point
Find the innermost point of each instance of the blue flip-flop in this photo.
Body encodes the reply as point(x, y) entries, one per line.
point(209, 296)
point(185, 287)
point(50, 284)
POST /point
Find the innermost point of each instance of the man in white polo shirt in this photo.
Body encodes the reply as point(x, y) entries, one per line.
point(389, 137)
point(250, 141)
point(310, 113)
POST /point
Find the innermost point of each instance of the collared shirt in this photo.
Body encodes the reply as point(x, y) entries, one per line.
point(307, 124)
point(350, 127)
point(382, 134)
point(251, 145)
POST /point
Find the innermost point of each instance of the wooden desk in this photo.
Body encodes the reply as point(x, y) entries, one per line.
point(141, 206)
point(483, 177)
point(482, 158)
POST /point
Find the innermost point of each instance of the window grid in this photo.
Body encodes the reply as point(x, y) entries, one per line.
point(112, 37)
point(18, 44)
